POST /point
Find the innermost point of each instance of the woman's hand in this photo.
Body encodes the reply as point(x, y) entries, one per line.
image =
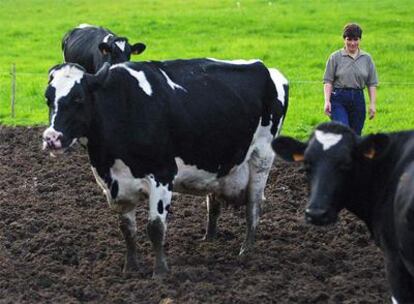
point(372, 111)
point(327, 108)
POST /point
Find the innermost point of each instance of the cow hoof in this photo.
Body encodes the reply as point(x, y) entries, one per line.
point(160, 273)
point(130, 267)
point(209, 237)
point(245, 249)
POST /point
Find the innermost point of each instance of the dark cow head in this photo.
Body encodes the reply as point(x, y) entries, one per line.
point(118, 49)
point(68, 97)
point(331, 158)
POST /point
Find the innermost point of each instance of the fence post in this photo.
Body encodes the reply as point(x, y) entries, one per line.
point(13, 89)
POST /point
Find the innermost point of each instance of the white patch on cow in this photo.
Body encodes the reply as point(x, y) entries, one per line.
point(106, 38)
point(260, 158)
point(279, 80)
point(252, 172)
point(83, 25)
point(138, 75)
point(237, 61)
point(394, 301)
point(130, 189)
point(121, 44)
point(327, 140)
point(192, 180)
point(171, 83)
point(158, 192)
point(64, 79)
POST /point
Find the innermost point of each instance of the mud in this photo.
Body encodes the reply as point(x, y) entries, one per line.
point(60, 243)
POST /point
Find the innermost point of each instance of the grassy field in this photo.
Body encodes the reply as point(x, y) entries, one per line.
point(294, 36)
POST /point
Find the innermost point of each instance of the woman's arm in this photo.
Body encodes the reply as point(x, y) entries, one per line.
point(372, 93)
point(327, 90)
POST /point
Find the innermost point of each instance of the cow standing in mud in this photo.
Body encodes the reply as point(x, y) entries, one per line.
point(198, 126)
point(91, 46)
point(373, 177)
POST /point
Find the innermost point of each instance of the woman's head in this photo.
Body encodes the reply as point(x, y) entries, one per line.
point(352, 31)
point(352, 35)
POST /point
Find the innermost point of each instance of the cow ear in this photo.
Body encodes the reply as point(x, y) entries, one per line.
point(97, 80)
point(374, 146)
point(104, 48)
point(138, 48)
point(289, 148)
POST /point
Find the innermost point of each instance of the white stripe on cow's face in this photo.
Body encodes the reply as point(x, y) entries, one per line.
point(121, 44)
point(279, 80)
point(171, 83)
point(239, 61)
point(327, 140)
point(138, 75)
point(106, 38)
point(64, 80)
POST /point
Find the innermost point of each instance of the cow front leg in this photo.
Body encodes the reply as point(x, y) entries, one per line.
point(159, 201)
point(213, 212)
point(128, 227)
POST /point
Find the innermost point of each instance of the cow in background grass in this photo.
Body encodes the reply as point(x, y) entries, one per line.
point(200, 126)
point(91, 46)
point(373, 177)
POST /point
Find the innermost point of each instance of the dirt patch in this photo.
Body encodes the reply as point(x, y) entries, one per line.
point(60, 243)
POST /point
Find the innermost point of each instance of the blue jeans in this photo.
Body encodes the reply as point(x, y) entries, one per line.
point(348, 107)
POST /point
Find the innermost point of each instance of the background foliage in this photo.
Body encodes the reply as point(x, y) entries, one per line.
point(294, 36)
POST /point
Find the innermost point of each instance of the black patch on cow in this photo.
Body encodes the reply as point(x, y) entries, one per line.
point(160, 207)
point(114, 189)
point(168, 208)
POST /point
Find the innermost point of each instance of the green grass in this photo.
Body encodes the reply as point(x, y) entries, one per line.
point(294, 36)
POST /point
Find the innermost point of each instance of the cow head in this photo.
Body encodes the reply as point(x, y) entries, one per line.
point(118, 49)
point(331, 158)
point(68, 97)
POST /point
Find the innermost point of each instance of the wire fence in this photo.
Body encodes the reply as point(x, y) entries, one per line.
point(13, 77)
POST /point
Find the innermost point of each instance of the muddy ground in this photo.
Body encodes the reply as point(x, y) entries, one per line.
point(60, 243)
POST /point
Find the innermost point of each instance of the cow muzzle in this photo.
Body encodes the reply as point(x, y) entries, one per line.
point(52, 140)
point(320, 217)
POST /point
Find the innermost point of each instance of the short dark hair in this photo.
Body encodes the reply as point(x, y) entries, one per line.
point(352, 30)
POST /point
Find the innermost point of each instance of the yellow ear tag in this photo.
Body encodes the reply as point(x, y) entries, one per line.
point(298, 157)
point(370, 154)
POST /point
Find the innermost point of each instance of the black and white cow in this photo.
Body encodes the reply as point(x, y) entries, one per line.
point(371, 176)
point(200, 126)
point(91, 46)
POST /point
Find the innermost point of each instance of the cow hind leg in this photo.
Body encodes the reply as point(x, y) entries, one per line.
point(213, 213)
point(128, 227)
point(259, 167)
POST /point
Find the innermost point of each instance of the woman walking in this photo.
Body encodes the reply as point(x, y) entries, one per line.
point(348, 71)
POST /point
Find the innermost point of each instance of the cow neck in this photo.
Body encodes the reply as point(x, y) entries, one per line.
point(375, 183)
point(97, 152)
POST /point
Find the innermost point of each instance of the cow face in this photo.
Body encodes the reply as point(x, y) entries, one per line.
point(69, 102)
point(331, 157)
point(119, 50)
